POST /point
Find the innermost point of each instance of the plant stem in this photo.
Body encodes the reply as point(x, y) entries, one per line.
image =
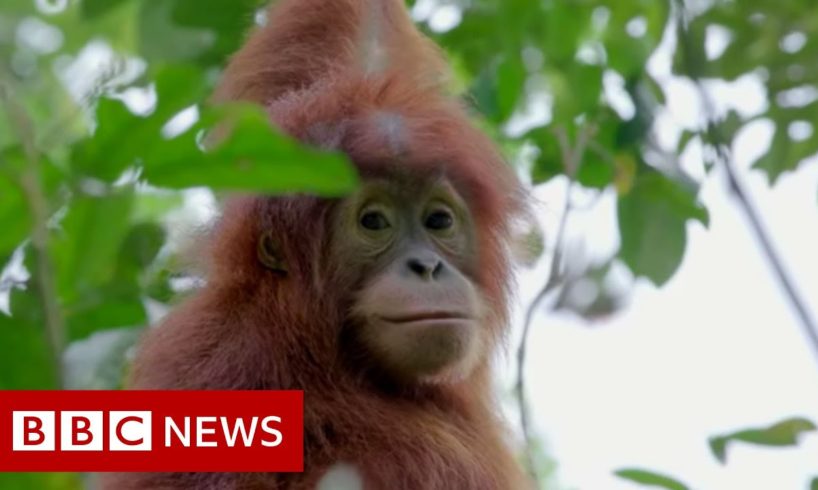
point(571, 160)
point(30, 181)
point(764, 240)
point(745, 202)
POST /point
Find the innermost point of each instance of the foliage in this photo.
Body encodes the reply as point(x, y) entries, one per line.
point(781, 434)
point(649, 478)
point(784, 433)
point(104, 131)
point(769, 40)
point(88, 184)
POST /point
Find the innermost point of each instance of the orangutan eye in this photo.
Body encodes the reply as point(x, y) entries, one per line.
point(439, 221)
point(374, 221)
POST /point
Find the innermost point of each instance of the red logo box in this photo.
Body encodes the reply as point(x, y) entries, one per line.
point(152, 431)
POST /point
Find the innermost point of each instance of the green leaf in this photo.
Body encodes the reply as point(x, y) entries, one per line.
point(41, 481)
point(634, 132)
point(122, 138)
point(784, 433)
point(204, 32)
point(599, 169)
point(652, 224)
point(549, 160)
point(649, 478)
point(26, 362)
point(96, 8)
point(756, 47)
point(626, 54)
point(111, 21)
point(730, 125)
point(18, 7)
point(784, 154)
point(691, 55)
point(511, 77)
point(110, 306)
point(15, 218)
point(178, 86)
point(119, 137)
point(228, 20)
point(152, 206)
point(15, 214)
point(99, 258)
point(158, 286)
point(162, 39)
point(577, 90)
point(814, 484)
point(483, 95)
point(142, 245)
point(119, 300)
point(684, 140)
point(566, 24)
point(251, 157)
point(86, 252)
point(595, 172)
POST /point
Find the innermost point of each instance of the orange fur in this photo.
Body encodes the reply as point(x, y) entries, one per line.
point(356, 76)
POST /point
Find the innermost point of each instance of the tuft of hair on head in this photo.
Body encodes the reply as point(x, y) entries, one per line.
point(305, 42)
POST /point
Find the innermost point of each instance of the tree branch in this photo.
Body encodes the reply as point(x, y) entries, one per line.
point(745, 202)
point(571, 160)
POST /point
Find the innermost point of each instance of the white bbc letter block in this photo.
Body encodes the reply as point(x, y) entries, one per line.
point(41, 433)
point(129, 431)
point(89, 434)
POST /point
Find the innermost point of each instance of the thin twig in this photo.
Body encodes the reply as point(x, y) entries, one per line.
point(30, 181)
point(572, 159)
point(743, 198)
point(773, 256)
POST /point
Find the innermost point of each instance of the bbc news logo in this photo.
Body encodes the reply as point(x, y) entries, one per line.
point(85, 431)
point(80, 431)
point(151, 431)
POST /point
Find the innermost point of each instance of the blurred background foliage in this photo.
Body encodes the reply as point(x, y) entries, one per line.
point(103, 175)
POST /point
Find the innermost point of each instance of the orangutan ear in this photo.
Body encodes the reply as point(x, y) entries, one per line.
point(269, 253)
